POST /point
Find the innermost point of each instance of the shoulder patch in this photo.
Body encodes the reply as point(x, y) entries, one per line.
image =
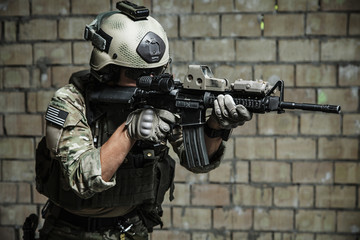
point(56, 116)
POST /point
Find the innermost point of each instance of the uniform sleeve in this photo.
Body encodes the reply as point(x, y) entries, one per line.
point(70, 141)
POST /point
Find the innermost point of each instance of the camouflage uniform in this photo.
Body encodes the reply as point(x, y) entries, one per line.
point(81, 189)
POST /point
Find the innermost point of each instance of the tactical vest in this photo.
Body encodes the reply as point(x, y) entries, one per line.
point(143, 179)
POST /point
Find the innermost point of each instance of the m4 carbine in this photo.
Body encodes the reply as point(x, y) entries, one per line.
point(194, 96)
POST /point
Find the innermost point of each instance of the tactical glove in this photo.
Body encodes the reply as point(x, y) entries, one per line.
point(227, 114)
point(150, 124)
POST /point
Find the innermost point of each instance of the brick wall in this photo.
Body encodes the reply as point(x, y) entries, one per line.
point(289, 176)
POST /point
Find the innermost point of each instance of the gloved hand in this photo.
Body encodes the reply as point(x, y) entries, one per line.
point(150, 124)
point(227, 114)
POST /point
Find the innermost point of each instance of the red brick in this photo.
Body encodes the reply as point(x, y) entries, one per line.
point(284, 25)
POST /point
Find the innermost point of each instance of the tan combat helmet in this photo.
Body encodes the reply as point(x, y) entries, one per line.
point(122, 41)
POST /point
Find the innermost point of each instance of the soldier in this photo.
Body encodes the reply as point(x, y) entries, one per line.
point(105, 169)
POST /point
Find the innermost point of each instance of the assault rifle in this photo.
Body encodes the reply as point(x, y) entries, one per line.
point(194, 96)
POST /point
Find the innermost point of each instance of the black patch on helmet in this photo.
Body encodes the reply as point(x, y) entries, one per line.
point(107, 38)
point(151, 48)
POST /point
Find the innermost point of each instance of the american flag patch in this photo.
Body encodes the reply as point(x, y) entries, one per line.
point(56, 116)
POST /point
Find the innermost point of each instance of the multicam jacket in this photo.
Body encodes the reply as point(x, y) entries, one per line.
point(68, 168)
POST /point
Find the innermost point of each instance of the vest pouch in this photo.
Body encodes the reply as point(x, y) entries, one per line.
point(166, 172)
point(47, 172)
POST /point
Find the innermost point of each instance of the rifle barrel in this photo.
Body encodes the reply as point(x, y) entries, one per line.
point(311, 107)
